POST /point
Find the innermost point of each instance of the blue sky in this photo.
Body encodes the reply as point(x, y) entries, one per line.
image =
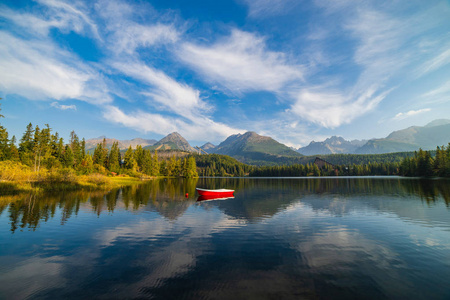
point(293, 70)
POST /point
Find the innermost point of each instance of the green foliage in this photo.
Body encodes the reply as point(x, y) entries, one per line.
point(220, 165)
point(424, 165)
point(114, 158)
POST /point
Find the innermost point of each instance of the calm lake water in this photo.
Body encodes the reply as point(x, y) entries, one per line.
point(303, 238)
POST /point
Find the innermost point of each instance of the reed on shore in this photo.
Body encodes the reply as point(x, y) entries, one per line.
point(16, 177)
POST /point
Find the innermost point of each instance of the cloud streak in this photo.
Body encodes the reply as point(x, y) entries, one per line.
point(241, 63)
point(39, 69)
point(401, 116)
point(63, 107)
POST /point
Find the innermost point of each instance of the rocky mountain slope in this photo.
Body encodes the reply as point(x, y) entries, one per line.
point(173, 141)
point(251, 147)
point(332, 145)
point(436, 133)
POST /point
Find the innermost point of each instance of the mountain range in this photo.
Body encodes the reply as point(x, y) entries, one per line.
point(436, 133)
point(253, 148)
point(123, 144)
point(332, 145)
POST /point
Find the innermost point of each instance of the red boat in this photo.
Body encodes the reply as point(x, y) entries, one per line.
point(221, 193)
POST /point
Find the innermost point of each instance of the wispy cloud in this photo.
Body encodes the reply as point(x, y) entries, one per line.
point(57, 14)
point(168, 93)
point(39, 69)
point(435, 62)
point(266, 8)
point(438, 95)
point(241, 63)
point(382, 51)
point(132, 37)
point(401, 116)
point(63, 107)
point(332, 109)
point(202, 128)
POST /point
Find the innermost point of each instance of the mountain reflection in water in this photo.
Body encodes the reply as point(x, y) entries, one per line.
point(318, 238)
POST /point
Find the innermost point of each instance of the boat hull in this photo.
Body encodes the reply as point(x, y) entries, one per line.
point(222, 193)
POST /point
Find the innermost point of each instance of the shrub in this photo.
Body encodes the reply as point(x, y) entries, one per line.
point(15, 171)
point(65, 175)
point(97, 179)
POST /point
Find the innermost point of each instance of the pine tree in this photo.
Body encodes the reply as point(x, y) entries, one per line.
point(4, 144)
point(191, 168)
point(14, 152)
point(99, 157)
point(147, 163)
point(139, 157)
point(74, 144)
point(155, 165)
point(69, 158)
point(83, 148)
point(37, 148)
point(26, 146)
point(130, 162)
point(114, 158)
point(87, 165)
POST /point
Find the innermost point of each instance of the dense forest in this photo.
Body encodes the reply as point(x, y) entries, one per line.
point(421, 163)
point(221, 165)
point(40, 148)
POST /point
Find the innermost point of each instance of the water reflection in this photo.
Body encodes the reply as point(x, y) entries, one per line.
point(256, 198)
point(348, 238)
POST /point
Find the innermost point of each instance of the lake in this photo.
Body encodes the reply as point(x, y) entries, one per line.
point(290, 238)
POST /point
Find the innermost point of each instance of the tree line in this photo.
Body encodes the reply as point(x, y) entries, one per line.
point(211, 165)
point(420, 163)
point(41, 148)
point(311, 169)
point(425, 164)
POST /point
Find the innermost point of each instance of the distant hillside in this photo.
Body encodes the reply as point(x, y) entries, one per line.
point(123, 144)
point(436, 133)
point(208, 147)
point(332, 145)
point(173, 141)
point(253, 148)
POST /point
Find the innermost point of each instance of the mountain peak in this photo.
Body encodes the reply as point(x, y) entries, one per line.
point(174, 140)
point(438, 122)
point(252, 146)
point(208, 146)
point(332, 145)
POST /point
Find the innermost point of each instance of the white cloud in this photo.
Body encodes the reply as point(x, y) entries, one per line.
point(35, 67)
point(401, 116)
point(382, 52)
point(331, 109)
point(241, 63)
point(63, 107)
point(57, 14)
point(125, 35)
point(141, 121)
point(38, 69)
point(266, 8)
point(435, 62)
point(439, 94)
point(200, 128)
point(131, 37)
point(167, 92)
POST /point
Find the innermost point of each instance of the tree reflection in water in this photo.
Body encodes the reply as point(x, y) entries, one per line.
point(255, 198)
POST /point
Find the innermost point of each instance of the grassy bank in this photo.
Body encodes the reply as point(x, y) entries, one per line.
point(16, 178)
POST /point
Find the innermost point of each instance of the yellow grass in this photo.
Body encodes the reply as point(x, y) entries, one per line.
point(16, 177)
